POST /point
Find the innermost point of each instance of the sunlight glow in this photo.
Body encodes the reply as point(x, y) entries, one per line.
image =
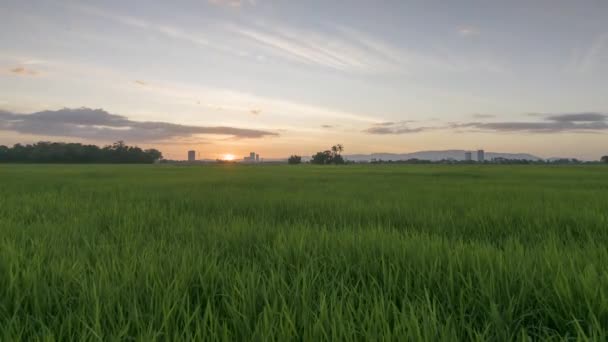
point(228, 157)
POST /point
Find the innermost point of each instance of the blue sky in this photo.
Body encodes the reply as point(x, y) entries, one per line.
point(283, 77)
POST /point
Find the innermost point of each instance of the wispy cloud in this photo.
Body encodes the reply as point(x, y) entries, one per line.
point(23, 71)
point(595, 56)
point(199, 97)
point(400, 127)
point(97, 124)
point(311, 53)
point(341, 48)
point(169, 31)
point(238, 101)
point(467, 31)
point(232, 3)
point(344, 49)
point(586, 122)
point(483, 116)
point(121, 18)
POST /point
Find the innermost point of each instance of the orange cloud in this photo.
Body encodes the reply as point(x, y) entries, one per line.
point(24, 71)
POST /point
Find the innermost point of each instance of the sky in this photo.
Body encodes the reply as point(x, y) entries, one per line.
point(295, 77)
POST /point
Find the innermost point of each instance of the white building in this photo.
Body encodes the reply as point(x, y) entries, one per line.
point(481, 156)
point(252, 158)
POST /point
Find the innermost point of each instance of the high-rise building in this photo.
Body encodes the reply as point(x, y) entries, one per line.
point(191, 156)
point(252, 158)
point(468, 156)
point(481, 156)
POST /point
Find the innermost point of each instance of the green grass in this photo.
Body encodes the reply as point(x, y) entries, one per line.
point(309, 253)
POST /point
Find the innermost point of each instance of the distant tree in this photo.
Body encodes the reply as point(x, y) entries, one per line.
point(337, 149)
point(55, 152)
point(321, 158)
point(294, 159)
point(337, 159)
point(153, 154)
point(604, 159)
point(3, 153)
point(331, 156)
point(334, 150)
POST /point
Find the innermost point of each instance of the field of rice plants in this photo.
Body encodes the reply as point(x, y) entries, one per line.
point(314, 253)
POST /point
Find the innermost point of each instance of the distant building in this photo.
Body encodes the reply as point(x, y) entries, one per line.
point(191, 156)
point(481, 156)
point(468, 156)
point(252, 158)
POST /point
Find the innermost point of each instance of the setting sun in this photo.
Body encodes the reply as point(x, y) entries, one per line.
point(228, 157)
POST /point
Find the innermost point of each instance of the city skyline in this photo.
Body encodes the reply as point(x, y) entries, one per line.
point(228, 77)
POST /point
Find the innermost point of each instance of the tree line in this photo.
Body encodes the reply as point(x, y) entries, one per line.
point(331, 156)
point(58, 152)
point(334, 156)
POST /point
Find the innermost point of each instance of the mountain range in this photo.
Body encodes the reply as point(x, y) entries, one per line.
point(424, 155)
point(438, 155)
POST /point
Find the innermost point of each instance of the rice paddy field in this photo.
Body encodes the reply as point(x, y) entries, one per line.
point(305, 253)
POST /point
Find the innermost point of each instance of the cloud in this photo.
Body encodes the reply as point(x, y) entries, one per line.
point(255, 111)
point(327, 126)
point(594, 57)
point(172, 32)
point(314, 53)
point(400, 127)
point(236, 101)
point(579, 117)
point(341, 48)
point(232, 3)
point(483, 116)
point(467, 31)
point(142, 83)
point(97, 124)
point(584, 122)
point(552, 123)
point(24, 71)
point(344, 49)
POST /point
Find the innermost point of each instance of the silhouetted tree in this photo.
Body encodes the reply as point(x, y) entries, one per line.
point(53, 152)
point(3, 153)
point(321, 157)
point(337, 159)
point(294, 159)
point(329, 156)
point(604, 159)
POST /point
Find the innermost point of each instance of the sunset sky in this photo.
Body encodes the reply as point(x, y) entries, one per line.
point(293, 77)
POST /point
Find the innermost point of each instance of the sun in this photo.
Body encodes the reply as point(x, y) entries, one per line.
point(228, 156)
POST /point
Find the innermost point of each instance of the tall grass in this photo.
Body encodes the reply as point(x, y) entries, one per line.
point(303, 253)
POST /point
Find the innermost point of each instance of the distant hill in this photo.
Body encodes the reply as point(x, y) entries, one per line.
point(424, 155)
point(438, 155)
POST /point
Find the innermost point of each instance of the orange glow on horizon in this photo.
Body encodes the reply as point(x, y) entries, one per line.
point(228, 156)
